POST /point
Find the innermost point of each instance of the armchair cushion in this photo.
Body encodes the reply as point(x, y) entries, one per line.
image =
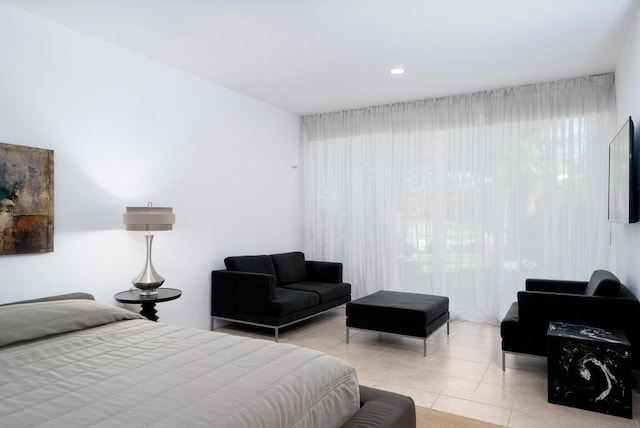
point(255, 264)
point(290, 267)
point(603, 283)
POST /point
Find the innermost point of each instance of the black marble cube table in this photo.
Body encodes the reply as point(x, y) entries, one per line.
point(589, 368)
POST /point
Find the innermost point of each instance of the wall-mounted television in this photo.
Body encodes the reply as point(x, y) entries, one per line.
point(623, 176)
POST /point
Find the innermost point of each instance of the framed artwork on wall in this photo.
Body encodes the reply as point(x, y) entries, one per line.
point(26, 200)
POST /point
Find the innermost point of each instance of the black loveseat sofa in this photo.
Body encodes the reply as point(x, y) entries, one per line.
point(275, 290)
point(601, 302)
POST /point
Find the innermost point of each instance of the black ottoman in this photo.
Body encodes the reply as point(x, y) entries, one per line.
point(407, 314)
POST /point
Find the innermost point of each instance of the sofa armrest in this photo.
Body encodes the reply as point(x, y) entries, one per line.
point(244, 292)
point(383, 409)
point(324, 271)
point(556, 286)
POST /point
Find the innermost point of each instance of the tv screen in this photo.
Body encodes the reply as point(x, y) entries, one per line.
point(623, 190)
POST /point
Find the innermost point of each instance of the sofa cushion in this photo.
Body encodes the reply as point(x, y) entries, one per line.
point(255, 264)
point(290, 267)
point(326, 291)
point(288, 301)
point(602, 283)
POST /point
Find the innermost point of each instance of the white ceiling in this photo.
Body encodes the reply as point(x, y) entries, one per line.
point(310, 56)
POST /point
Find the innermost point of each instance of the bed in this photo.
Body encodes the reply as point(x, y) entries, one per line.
point(68, 361)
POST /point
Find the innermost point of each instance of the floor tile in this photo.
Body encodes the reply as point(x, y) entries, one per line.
point(421, 398)
point(458, 368)
point(545, 418)
point(472, 409)
point(467, 353)
point(483, 394)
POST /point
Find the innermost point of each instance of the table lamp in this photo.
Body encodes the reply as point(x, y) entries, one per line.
point(148, 219)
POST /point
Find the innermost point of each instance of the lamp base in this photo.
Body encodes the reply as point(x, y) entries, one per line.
point(148, 281)
point(146, 290)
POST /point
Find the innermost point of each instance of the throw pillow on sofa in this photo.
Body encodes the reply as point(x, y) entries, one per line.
point(255, 264)
point(290, 267)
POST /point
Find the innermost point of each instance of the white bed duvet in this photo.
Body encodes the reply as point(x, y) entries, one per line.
point(78, 363)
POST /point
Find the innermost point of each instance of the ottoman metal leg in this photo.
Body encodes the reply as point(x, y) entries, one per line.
point(347, 335)
point(447, 327)
point(424, 354)
point(502, 360)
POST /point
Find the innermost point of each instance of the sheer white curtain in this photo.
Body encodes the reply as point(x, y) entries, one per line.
point(464, 196)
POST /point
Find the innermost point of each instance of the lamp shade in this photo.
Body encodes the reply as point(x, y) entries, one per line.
point(149, 218)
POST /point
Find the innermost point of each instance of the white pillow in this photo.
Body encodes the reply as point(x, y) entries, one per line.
point(27, 321)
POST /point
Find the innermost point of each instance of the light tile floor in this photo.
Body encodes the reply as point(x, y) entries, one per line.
point(461, 373)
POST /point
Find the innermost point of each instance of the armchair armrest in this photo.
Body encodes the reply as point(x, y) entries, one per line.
point(556, 286)
point(324, 271)
point(244, 292)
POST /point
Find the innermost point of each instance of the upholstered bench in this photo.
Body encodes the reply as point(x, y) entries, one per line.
point(407, 314)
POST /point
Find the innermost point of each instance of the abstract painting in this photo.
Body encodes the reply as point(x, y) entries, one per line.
point(26, 200)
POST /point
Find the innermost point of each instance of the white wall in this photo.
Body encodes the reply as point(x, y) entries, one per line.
point(127, 130)
point(625, 239)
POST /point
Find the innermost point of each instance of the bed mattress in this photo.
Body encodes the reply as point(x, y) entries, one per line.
point(77, 372)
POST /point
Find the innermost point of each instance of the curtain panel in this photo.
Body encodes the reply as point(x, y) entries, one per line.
point(463, 196)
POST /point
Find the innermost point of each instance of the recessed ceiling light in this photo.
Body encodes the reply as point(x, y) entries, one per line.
point(396, 71)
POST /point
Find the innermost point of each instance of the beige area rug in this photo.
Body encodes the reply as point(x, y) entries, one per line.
point(436, 419)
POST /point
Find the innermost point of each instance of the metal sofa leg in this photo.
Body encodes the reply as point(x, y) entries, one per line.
point(347, 335)
point(424, 351)
point(276, 334)
point(503, 360)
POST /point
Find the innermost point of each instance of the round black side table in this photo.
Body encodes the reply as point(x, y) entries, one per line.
point(148, 302)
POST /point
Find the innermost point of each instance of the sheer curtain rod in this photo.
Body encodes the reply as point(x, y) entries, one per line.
point(603, 79)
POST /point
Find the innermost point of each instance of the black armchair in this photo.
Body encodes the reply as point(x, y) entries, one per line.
point(275, 290)
point(601, 302)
